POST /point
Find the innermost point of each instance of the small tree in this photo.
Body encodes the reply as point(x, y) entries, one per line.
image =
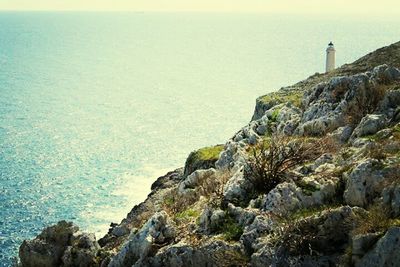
point(271, 160)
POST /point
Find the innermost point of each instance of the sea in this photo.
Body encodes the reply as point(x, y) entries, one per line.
point(94, 106)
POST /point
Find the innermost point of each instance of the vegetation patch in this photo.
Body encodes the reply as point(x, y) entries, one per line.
point(307, 188)
point(269, 164)
point(293, 97)
point(376, 220)
point(203, 158)
point(187, 215)
point(230, 229)
point(311, 211)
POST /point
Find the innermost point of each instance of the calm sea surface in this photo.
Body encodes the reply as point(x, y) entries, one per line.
point(95, 106)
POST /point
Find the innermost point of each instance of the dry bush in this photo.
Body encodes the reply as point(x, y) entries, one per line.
point(365, 104)
point(376, 220)
point(174, 203)
point(270, 161)
point(213, 190)
point(376, 151)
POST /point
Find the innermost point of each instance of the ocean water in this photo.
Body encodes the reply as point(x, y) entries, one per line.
point(95, 106)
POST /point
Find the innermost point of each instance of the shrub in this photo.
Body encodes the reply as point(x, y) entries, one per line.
point(376, 220)
point(270, 161)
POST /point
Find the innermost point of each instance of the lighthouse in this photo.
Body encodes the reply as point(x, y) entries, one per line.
point(330, 57)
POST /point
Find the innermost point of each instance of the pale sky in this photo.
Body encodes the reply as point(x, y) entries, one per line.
point(376, 7)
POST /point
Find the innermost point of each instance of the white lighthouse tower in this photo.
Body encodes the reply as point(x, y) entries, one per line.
point(330, 57)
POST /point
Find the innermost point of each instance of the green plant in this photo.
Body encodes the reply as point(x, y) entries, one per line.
point(307, 188)
point(293, 97)
point(311, 211)
point(203, 158)
point(274, 115)
point(187, 215)
point(230, 229)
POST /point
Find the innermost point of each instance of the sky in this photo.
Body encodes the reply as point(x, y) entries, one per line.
point(380, 7)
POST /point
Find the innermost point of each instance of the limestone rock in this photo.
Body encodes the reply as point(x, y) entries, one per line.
point(238, 188)
point(391, 197)
point(363, 183)
point(210, 220)
point(157, 230)
point(385, 252)
point(82, 252)
point(47, 249)
point(342, 134)
point(361, 244)
point(370, 124)
point(195, 179)
point(215, 253)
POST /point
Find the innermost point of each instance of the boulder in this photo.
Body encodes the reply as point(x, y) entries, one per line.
point(195, 179)
point(385, 252)
point(82, 252)
point(47, 249)
point(210, 220)
point(391, 198)
point(361, 244)
point(213, 253)
point(238, 189)
point(158, 230)
point(342, 134)
point(363, 183)
point(370, 124)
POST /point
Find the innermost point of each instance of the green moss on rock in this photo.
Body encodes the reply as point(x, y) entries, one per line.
point(203, 158)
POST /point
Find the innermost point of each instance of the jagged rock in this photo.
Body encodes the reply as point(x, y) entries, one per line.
point(233, 155)
point(261, 225)
point(321, 245)
point(363, 183)
point(328, 103)
point(262, 107)
point(360, 244)
point(390, 103)
point(383, 134)
point(210, 220)
point(195, 179)
point(391, 198)
point(361, 142)
point(157, 230)
point(215, 253)
point(120, 230)
point(287, 196)
point(248, 133)
point(82, 252)
point(47, 249)
point(342, 134)
point(385, 252)
point(168, 180)
point(368, 125)
point(242, 216)
point(238, 188)
point(203, 158)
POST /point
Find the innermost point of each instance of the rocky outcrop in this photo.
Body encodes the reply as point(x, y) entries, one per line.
point(212, 213)
point(60, 245)
point(158, 230)
point(385, 252)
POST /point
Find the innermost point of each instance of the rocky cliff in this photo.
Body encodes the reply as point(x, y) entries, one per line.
point(312, 180)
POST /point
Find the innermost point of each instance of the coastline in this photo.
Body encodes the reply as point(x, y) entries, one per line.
point(180, 219)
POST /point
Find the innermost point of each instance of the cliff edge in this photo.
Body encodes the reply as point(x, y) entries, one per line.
point(312, 180)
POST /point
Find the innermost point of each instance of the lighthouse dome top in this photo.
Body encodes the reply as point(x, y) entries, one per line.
point(330, 44)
